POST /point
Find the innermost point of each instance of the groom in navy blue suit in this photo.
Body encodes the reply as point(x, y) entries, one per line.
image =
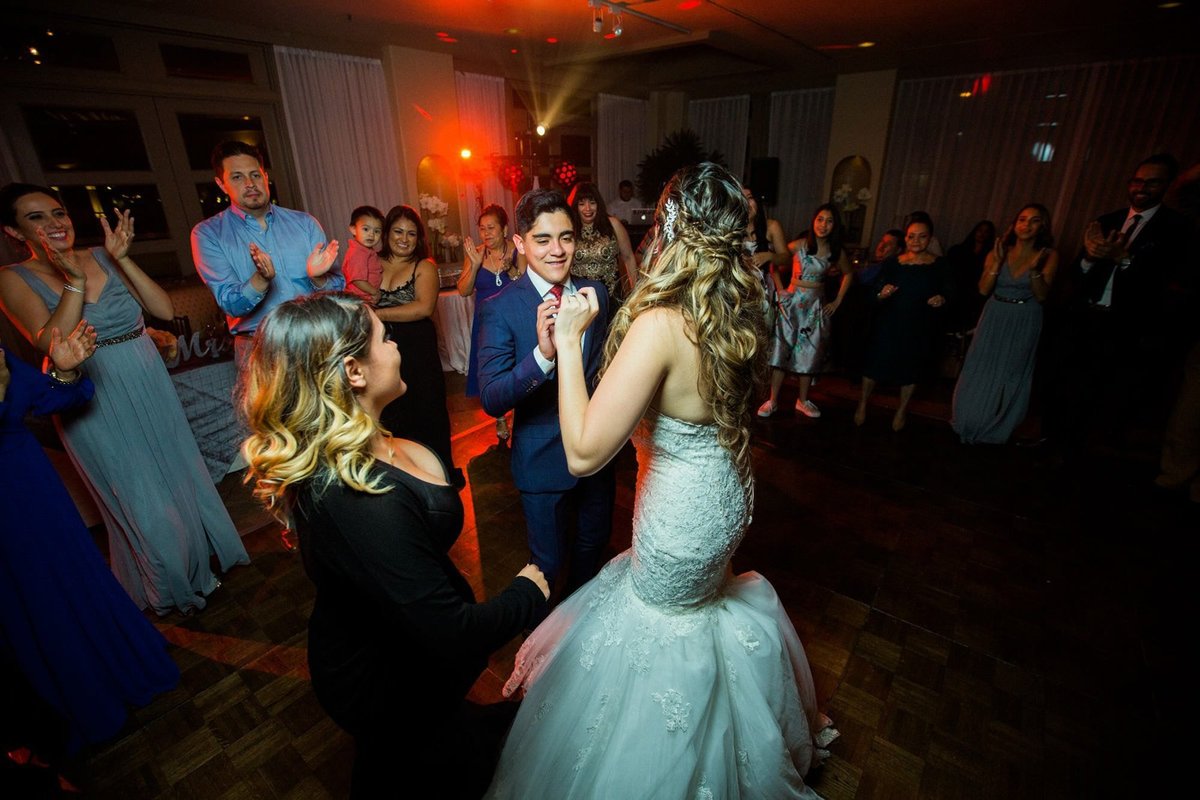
point(516, 364)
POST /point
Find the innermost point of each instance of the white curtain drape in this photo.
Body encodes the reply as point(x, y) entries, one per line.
point(483, 124)
point(340, 126)
point(621, 128)
point(971, 147)
point(799, 138)
point(723, 123)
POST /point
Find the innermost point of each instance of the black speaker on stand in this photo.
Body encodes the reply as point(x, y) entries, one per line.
point(764, 179)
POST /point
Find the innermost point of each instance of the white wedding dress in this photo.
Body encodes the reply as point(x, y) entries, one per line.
point(667, 676)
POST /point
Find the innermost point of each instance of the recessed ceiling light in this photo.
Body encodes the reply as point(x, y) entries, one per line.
point(441, 34)
point(512, 31)
point(610, 36)
point(513, 51)
point(688, 5)
point(551, 40)
point(964, 94)
point(866, 44)
point(448, 40)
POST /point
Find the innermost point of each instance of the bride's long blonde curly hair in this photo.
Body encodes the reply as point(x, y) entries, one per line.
point(305, 422)
point(703, 270)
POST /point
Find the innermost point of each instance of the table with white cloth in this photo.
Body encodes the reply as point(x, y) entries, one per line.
point(206, 393)
point(453, 319)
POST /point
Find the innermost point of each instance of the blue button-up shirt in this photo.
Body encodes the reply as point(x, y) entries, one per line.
point(221, 252)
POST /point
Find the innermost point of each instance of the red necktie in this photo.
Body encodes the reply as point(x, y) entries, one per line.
point(556, 289)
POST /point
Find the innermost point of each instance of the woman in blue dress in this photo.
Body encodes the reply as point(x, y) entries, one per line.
point(992, 395)
point(132, 445)
point(64, 620)
point(487, 268)
point(801, 335)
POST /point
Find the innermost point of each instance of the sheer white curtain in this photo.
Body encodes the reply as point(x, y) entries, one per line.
point(799, 138)
point(621, 142)
point(340, 126)
point(723, 123)
point(971, 147)
point(484, 125)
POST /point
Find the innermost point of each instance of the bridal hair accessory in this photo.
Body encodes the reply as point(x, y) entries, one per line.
point(672, 213)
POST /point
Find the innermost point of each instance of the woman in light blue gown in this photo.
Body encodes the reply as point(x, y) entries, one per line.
point(667, 675)
point(132, 444)
point(992, 394)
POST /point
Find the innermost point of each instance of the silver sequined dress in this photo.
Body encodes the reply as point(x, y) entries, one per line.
point(667, 675)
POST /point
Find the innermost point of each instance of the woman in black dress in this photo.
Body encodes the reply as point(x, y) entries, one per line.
point(408, 293)
point(396, 638)
point(912, 290)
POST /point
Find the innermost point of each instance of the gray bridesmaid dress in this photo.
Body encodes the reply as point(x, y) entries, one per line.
point(992, 395)
point(134, 449)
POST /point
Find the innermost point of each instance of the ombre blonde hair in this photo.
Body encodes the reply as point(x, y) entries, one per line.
point(305, 422)
point(703, 270)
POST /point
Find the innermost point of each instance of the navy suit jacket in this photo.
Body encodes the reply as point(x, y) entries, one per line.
point(510, 378)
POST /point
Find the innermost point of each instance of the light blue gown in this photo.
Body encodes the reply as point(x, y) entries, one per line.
point(134, 449)
point(992, 395)
point(667, 676)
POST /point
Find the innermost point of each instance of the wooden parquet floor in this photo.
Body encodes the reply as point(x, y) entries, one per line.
point(982, 622)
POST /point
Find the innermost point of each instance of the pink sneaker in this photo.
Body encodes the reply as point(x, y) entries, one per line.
point(808, 408)
point(767, 409)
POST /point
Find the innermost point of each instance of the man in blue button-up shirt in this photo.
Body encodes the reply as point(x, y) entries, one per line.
point(255, 255)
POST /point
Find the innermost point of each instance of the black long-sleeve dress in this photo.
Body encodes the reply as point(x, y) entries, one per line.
point(902, 344)
point(396, 638)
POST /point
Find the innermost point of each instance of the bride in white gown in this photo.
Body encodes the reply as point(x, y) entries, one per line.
point(667, 676)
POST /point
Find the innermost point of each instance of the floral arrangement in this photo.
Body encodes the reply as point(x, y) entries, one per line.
point(846, 199)
point(434, 210)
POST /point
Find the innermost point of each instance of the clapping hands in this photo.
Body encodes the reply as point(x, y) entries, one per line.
point(1099, 246)
point(69, 353)
point(117, 240)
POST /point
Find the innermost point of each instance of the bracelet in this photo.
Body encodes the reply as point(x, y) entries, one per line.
point(54, 375)
point(68, 287)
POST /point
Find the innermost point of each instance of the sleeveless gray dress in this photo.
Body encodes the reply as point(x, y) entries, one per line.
point(992, 394)
point(134, 449)
point(667, 676)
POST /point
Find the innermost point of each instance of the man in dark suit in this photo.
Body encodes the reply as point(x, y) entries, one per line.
point(516, 363)
point(1123, 312)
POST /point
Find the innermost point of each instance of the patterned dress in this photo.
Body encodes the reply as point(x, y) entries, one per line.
point(801, 334)
point(598, 258)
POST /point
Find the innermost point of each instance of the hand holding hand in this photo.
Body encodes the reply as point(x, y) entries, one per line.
point(575, 314)
point(66, 262)
point(534, 573)
point(69, 353)
point(321, 259)
point(262, 262)
point(937, 301)
point(117, 241)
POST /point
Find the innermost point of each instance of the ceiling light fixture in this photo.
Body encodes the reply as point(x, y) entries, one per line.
point(617, 9)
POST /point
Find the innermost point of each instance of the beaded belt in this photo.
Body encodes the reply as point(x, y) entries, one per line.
point(1011, 300)
point(124, 337)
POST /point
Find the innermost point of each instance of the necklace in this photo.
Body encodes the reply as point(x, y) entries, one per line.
point(391, 451)
point(496, 272)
